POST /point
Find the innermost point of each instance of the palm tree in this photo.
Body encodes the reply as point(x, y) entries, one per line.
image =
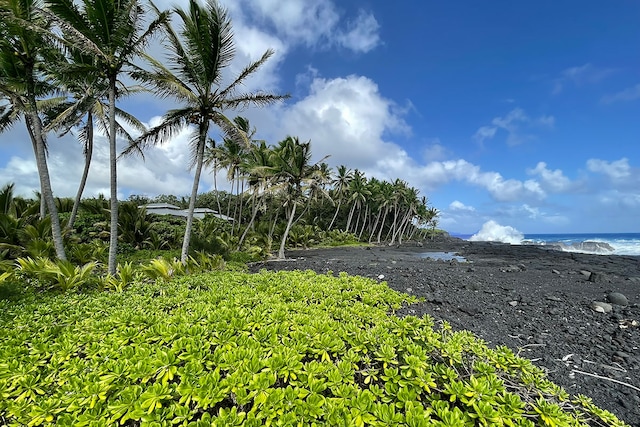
point(112, 33)
point(197, 58)
point(23, 52)
point(258, 164)
point(292, 171)
point(358, 194)
point(88, 100)
point(384, 197)
point(340, 187)
point(230, 156)
point(210, 159)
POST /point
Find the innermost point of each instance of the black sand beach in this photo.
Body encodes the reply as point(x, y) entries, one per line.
point(536, 301)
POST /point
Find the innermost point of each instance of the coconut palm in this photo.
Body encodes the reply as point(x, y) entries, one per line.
point(197, 58)
point(24, 50)
point(112, 33)
point(358, 194)
point(87, 93)
point(340, 187)
point(384, 198)
point(292, 171)
point(258, 165)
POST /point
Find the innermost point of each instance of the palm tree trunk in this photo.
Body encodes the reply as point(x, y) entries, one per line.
point(113, 238)
point(353, 208)
point(33, 120)
point(286, 231)
point(335, 215)
point(85, 173)
point(215, 185)
point(246, 230)
point(384, 219)
point(375, 225)
point(364, 221)
point(194, 192)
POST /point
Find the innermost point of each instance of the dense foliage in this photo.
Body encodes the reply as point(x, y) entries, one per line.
point(230, 348)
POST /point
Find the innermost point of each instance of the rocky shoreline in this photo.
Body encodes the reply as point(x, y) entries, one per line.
point(575, 315)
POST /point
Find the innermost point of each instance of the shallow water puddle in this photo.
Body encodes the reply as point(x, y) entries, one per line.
point(442, 256)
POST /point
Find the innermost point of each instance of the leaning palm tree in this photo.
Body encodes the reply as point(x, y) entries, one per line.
point(197, 58)
point(111, 32)
point(24, 51)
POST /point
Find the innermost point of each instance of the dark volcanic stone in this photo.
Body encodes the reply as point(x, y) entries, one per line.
point(618, 299)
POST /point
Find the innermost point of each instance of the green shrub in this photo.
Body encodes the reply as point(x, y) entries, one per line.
point(58, 274)
point(230, 348)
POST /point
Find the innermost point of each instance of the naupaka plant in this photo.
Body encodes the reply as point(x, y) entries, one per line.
point(288, 348)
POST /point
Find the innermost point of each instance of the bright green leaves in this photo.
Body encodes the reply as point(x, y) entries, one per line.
point(232, 349)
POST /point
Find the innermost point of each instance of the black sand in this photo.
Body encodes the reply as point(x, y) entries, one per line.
point(536, 301)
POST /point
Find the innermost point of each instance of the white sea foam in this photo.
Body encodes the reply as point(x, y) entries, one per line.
point(491, 231)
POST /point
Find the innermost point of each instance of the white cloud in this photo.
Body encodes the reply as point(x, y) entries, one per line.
point(362, 35)
point(436, 174)
point(553, 180)
point(484, 133)
point(616, 170)
point(628, 94)
point(344, 116)
point(458, 206)
point(580, 75)
point(513, 123)
point(312, 23)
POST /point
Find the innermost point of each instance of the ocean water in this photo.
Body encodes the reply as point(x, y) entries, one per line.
point(620, 243)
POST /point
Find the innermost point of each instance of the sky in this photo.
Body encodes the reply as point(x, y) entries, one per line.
point(521, 114)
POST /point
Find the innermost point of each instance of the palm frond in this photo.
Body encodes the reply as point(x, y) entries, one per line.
point(230, 129)
point(246, 72)
point(173, 122)
point(253, 99)
point(67, 16)
point(163, 82)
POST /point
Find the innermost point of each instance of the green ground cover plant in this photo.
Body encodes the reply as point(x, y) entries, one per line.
point(289, 348)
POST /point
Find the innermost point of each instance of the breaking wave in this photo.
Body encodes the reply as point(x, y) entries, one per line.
point(491, 231)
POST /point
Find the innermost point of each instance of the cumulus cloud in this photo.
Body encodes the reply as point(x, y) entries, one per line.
point(553, 180)
point(616, 170)
point(516, 123)
point(312, 23)
point(628, 94)
point(500, 189)
point(362, 34)
point(343, 116)
point(458, 206)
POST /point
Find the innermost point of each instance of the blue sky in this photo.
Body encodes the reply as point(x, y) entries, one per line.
point(521, 113)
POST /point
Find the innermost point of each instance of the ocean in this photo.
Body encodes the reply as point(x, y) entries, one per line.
point(605, 243)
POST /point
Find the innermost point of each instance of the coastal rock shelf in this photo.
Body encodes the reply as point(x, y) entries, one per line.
point(536, 301)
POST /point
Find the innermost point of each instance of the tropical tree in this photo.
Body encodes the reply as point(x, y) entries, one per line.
point(259, 168)
point(24, 51)
point(292, 171)
point(112, 33)
point(87, 103)
point(385, 197)
point(358, 194)
point(340, 187)
point(198, 55)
